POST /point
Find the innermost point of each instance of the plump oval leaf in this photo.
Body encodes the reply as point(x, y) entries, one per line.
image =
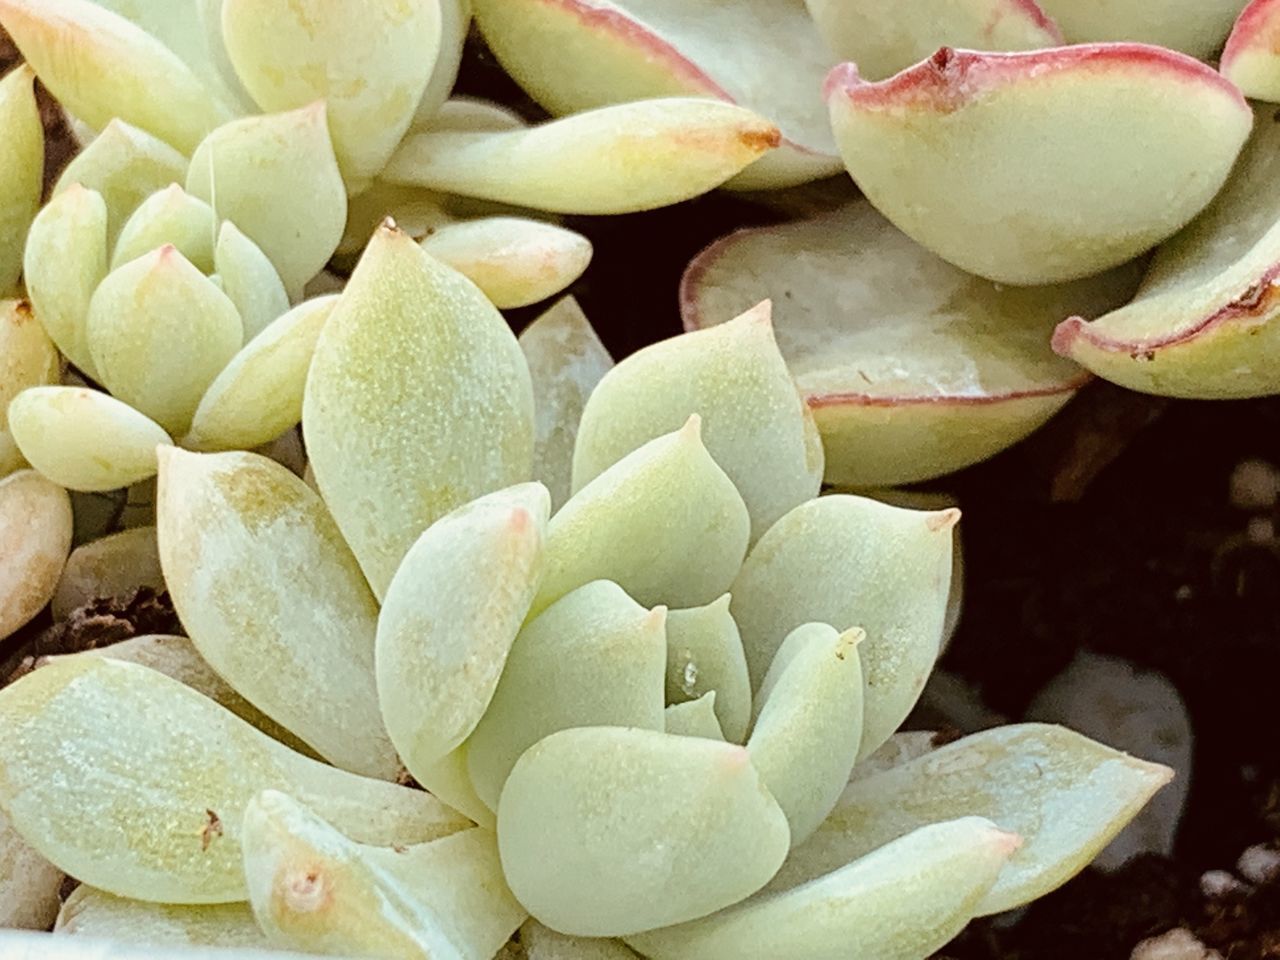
point(1039, 154)
point(455, 24)
point(90, 912)
point(849, 561)
point(646, 830)
point(1066, 795)
point(28, 358)
point(35, 538)
point(450, 616)
point(1251, 59)
point(704, 655)
point(754, 423)
point(274, 600)
point(84, 439)
point(418, 401)
point(162, 776)
point(621, 159)
point(21, 170)
point(249, 279)
point(912, 367)
point(595, 657)
point(169, 216)
point(1197, 27)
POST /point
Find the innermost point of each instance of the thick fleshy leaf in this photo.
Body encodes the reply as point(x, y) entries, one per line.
point(806, 736)
point(1040, 154)
point(276, 178)
point(45, 946)
point(1066, 795)
point(645, 829)
point(450, 616)
point(664, 522)
point(450, 779)
point(169, 216)
point(109, 567)
point(159, 332)
point(84, 439)
point(515, 261)
point(90, 912)
point(1206, 321)
point(65, 260)
point(1197, 27)
point(249, 279)
point(258, 394)
point(472, 115)
point(620, 159)
point(912, 367)
point(21, 170)
point(566, 360)
point(455, 23)
point(704, 654)
point(178, 658)
point(370, 62)
point(418, 401)
point(1251, 58)
point(901, 902)
point(274, 600)
point(849, 561)
point(313, 889)
point(77, 47)
point(125, 165)
point(135, 783)
point(29, 883)
point(542, 943)
point(754, 422)
point(35, 538)
point(596, 657)
point(694, 718)
point(574, 55)
point(885, 38)
point(28, 358)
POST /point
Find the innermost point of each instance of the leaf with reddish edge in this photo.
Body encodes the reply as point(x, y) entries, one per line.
point(1251, 58)
point(912, 367)
point(1044, 157)
point(1204, 323)
point(883, 38)
point(574, 55)
point(1197, 27)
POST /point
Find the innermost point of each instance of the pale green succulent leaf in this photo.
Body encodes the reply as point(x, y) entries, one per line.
point(901, 748)
point(168, 216)
point(805, 740)
point(418, 401)
point(455, 22)
point(35, 538)
point(645, 829)
point(21, 170)
point(566, 360)
point(314, 890)
point(1066, 795)
point(1196, 27)
point(84, 439)
point(28, 358)
point(621, 159)
point(162, 777)
point(275, 177)
point(450, 779)
point(900, 902)
point(754, 422)
point(258, 395)
point(44, 946)
point(595, 657)
point(90, 912)
point(250, 279)
point(77, 47)
point(664, 522)
point(543, 943)
point(704, 654)
point(274, 600)
point(694, 718)
point(450, 617)
point(159, 333)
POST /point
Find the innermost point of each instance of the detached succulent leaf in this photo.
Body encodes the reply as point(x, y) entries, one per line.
point(450, 617)
point(315, 890)
point(370, 62)
point(1204, 322)
point(900, 902)
point(28, 358)
point(275, 177)
point(1197, 27)
point(1034, 153)
point(164, 776)
point(704, 655)
point(89, 912)
point(1065, 794)
point(274, 600)
point(169, 216)
point(849, 561)
point(21, 170)
point(249, 279)
point(912, 368)
point(596, 657)
point(1251, 58)
point(418, 401)
point(621, 159)
point(593, 800)
point(754, 422)
point(35, 538)
point(77, 47)
point(84, 439)
point(29, 884)
point(566, 360)
point(108, 567)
